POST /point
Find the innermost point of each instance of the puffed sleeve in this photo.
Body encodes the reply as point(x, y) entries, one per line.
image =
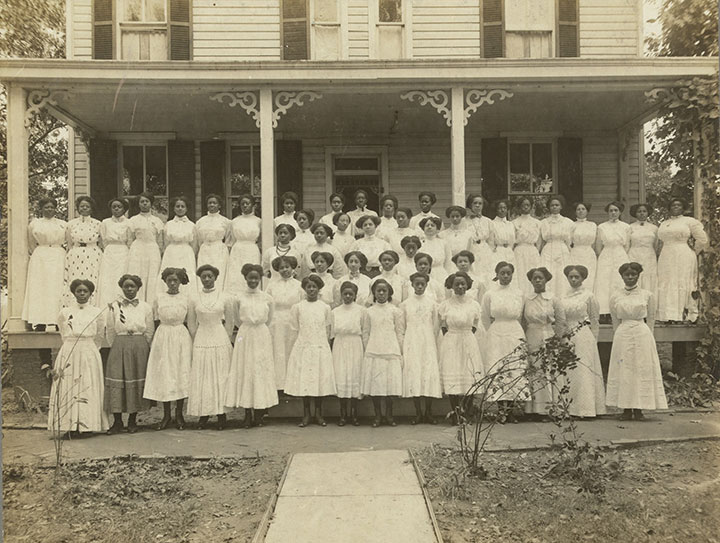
point(698, 233)
point(485, 309)
point(110, 323)
point(229, 314)
point(149, 323)
point(62, 323)
point(442, 314)
point(100, 322)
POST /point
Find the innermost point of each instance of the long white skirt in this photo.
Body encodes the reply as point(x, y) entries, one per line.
point(646, 257)
point(634, 376)
point(169, 363)
point(44, 286)
point(502, 338)
point(584, 255)
point(608, 278)
point(310, 370)
point(282, 342)
point(381, 375)
point(113, 266)
point(460, 361)
point(347, 353)
point(527, 257)
point(216, 254)
point(144, 261)
point(76, 399)
point(677, 279)
point(542, 392)
point(421, 367)
point(587, 390)
point(251, 381)
point(210, 367)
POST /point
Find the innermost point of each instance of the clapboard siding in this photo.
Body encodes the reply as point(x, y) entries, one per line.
point(81, 29)
point(633, 157)
point(82, 169)
point(358, 30)
point(609, 28)
point(236, 30)
point(600, 173)
point(446, 28)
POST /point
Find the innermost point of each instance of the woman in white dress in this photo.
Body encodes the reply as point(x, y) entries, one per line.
point(76, 396)
point(289, 201)
point(284, 234)
point(210, 232)
point(556, 235)
point(168, 368)
point(461, 363)
point(44, 286)
point(211, 320)
point(634, 376)
point(310, 372)
point(643, 246)
point(464, 261)
point(251, 380)
point(681, 240)
point(180, 245)
point(383, 362)
point(503, 234)
point(322, 243)
point(388, 223)
point(435, 288)
point(286, 291)
point(613, 242)
point(543, 317)
point(435, 246)
point(343, 237)
point(83, 257)
point(321, 261)
point(360, 198)
point(584, 234)
point(388, 263)
point(394, 237)
point(303, 235)
point(350, 323)
point(406, 265)
point(356, 262)
point(427, 200)
point(482, 246)
point(587, 389)
point(527, 247)
point(146, 231)
point(457, 237)
point(505, 351)
point(370, 244)
point(115, 238)
point(337, 202)
point(242, 236)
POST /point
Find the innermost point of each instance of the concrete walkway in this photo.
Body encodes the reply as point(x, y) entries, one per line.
point(352, 496)
point(282, 437)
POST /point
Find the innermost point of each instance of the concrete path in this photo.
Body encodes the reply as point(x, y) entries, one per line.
point(353, 496)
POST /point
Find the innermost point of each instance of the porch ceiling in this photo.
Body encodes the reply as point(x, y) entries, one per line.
point(550, 95)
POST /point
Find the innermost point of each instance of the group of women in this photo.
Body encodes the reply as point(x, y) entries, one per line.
point(389, 290)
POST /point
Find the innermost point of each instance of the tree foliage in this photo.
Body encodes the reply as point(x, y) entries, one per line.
point(33, 29)
point(689, 29)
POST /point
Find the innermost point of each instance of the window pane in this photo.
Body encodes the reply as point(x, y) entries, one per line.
point(390, 42)
point(357, 163)
point(132, 182)
point(133, 10)
point(256, 171)
point(327, 43)
point(240, 171)
point(520, 167)
point(326, 11)
point(157, 46)
point(390, 11)
point(155, 10)
point(155, 172)
point(542, 167)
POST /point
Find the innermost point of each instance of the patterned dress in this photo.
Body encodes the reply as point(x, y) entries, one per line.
point(421, 368)
point(634, 376)
point(677, 267)
point(83, 256)
point(243, 234)
point(285, 294)
point(556, 233)
point(587, 389)
point(643, 239)
point(144, 258)
point(350, 325)
point(44, 286)
point(382, 372)
point(615, 239)
point(76, 398)
point(251, 381)
point(527, 257)
point(180, 243)
point(115, 235)
point(210, 232)
point(461, 363)
point(584, 233)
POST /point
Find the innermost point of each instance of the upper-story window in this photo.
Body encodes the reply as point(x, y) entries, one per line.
point(390, 30)
point(326, 40)
point(142, 29)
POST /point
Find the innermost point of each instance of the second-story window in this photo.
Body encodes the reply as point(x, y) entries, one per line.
point(529, 26)
point(325, 42)
point(143, 30)
point(390, 29)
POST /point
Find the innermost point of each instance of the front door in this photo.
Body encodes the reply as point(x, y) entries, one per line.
point(352, 172)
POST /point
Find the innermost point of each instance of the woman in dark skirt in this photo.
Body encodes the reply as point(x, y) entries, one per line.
point(130, 329)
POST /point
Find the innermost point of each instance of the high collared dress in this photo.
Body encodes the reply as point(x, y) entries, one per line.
point(587, 389)
point(146, 231)
point(584, 233)
point(395, 236)
point(439, 250)
point(634, 375)
point(342, 241)
point(503, 235)
point(210, 232)
point(180, 243)
point(286, 218)
point(115, 235)
point(354, 215)
point(83, 256)
point(361, 281)
point(285, 294)
point(416, 219)
point(276, 251)
point(371, 247)
point(337, 268)
point(242, 236)
point(350, 324)
point(460, 359)
point(615, 239)
point(457, 239)
point(44, 286)
point(527, 256)
point(76, 396)
point(556, 233)
point(643, 239)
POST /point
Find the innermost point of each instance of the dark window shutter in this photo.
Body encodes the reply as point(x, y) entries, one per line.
point(570, 172)
point(288, 170)
point(103, 29)
point(568, 41)
point(103, 174)
point(212, 170)
point(294, 29)
point(179, 35)
point(494, 168)
point(493, 28)
point(181, 171)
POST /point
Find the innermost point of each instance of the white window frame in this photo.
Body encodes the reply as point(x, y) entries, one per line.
point(341, 24)
point(144, 143)
point(239, 140)
point(143, 26)
point(374, 23)
point(531, 141)
point(380, 151)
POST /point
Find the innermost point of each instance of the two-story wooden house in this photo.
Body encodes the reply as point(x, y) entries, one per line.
point(506, 97)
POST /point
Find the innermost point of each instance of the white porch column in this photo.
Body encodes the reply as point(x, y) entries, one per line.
point(457, 139)
point(18, 215)
point(267, 167)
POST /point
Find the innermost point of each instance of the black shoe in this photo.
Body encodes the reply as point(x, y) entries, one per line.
point(116, 428)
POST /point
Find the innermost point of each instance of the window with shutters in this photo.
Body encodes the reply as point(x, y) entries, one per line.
point(244, 178)
point(326, 39)
point(295, 35)
point(529, 26)
point(144, 167)
point(531, 167)
point(568, 39)
point(143, 30)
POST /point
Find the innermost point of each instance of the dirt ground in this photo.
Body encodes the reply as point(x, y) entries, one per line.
point(132, 500)
point(669, 492)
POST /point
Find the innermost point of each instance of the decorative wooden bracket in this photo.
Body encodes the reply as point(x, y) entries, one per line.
point(437, 99)
point(658, 94)
point(248, 100)
point(245, 99)
point(284, 100)
point(476, 98)
point(40, 99)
